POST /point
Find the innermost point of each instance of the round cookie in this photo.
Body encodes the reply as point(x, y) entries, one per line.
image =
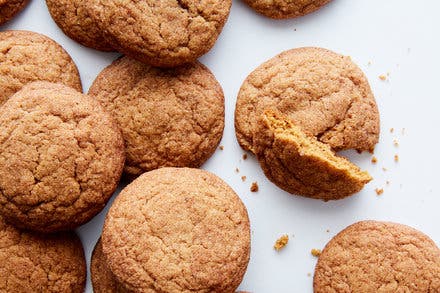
point(61, 158)
point(324, 93)
point(74, 20)
point(9, 8)
point(103, 280)
point(27, 56)
point(373, 256)
point(280, 9)
point(168, 117)
point(163, 33)
point(177, 230)
point(30, 262)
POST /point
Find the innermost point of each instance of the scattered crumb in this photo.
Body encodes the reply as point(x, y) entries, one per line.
point(388, 73)
point(379, 191)
point(396, 158)
point(328, 230)
point(281, 242)
point(315, 252)
point(294, 29)
point(309, 274)
point(244, 156)
point(388, 182)
point(383, 77)
point(254, 187)
point(403, 131)
point(243, 178)
point(374, 160)
point(369, 63)
point(391, 130)
point(396, 143)
point(221, 147)
point(384, 169)
point(237, 170)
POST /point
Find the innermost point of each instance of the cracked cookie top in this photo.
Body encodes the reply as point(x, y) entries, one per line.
point(177, 230)
point(9, 8)
point(61, 157)
point(280, 9)
point(74, 20)
point(324, 93)
point(31, 262)
point(372, 256)
point(27, 56)
point(168, 117)
point(164, 33)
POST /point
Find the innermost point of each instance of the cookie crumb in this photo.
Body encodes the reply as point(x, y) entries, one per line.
point(245, 156)
point(309, 274)
point(384, 169)
point(396, 158)
point(315, 252)
point(379, 191)
point(388, 182)
point(369, 63)
point(374, 160)
point(221, 147)
point(243, 178)
point(328, 230)
point(237, 170)
point(391, 130)
point(383, 77)
point(254, 187)
point(294, 29)
point(281, 242)
point(396, 143)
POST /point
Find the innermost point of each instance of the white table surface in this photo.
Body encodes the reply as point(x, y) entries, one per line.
point(399, 37)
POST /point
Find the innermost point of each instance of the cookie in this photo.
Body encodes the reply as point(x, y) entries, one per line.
point(27, 56)
point(373, 256)
point(280, 9)
point(324, 93)
point(31, 262)
point(74, 20)
point(103, 280)
point(177, 230)
point(302, 165)
point(9, 8)
point(61, 157)
point(168, 117)
point(164, 33)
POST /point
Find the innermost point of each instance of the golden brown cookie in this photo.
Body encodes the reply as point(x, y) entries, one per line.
point(27, 56)
point(177, 230)
point(280, 9)
point(168, 117)
point(61, 157)
point(74, 20)
point(163, 33)
point(103, 280)
point(9, 8)
point(373, 256)
point(31, 262)
point(324, 93)
point(302, 165)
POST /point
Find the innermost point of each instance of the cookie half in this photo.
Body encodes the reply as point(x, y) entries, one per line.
point(164, 33)
point(280, 9)
point(27, 56)
point(177, 230)
point(31, 262)
point(61, 158)
point(372, 256)
point(324, 93)
point(9, 8)
point(168, 117)
point(74, 20)
point(300, 164)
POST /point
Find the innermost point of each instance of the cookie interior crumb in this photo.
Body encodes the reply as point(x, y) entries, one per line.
point(254, 187)
point(281, 242)
point(379, 191)
point(315, 252)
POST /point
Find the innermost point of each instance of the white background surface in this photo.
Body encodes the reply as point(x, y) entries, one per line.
point(397, 36)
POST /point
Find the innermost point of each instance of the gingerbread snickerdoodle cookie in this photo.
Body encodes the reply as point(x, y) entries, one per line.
point(280, 9)
point(61, 157)
point(373, 256)
point(103, 280)
point(177, 230)
point(302, 165)
point(168, 117)
point(324, 93)
point(9, 8)
point(164, 33)
point(74, 20)
point(31, 262)
point(27, 56)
